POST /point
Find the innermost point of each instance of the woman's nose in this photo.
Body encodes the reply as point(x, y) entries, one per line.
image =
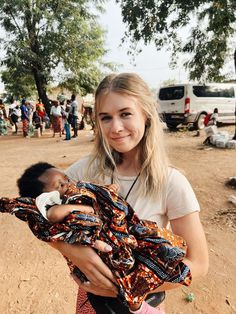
point(116, 125)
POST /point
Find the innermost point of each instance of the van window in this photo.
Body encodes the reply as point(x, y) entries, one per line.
point(169, 93)
point(213, 91)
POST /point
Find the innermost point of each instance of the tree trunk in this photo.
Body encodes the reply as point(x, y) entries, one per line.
point(41, 88)
point(235, 61)
point(234, 138)
point(39, 77)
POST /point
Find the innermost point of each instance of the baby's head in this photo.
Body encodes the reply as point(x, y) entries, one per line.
point(42, 177)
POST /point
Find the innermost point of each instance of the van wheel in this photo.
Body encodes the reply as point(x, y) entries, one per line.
point(199, 124)
point(172, 127)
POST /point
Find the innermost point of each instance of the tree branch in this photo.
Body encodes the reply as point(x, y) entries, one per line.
point(8, 10)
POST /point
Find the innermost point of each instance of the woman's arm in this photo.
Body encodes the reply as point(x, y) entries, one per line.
point(87, 260)
point(190, 228)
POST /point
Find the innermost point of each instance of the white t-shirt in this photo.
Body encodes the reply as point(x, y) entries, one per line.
point(55, 111)
point(74, 108)
point(177, 201)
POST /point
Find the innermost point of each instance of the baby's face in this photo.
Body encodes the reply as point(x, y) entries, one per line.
point(54, 180)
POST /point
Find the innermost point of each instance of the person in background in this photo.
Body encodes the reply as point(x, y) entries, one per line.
point(75, 115)
point(88, 115)
point(38, 123)
point(3, 124)
point(210, 120)
point(56, 118)
point(14, 114)
point(40, 108)
point(30, 106)
point(25, 117)
point(63, 114)
point(129, 151)
point(3, 109)
point(66, 121)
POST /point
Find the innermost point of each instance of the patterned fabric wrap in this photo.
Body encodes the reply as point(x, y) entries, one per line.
point(143, 255)
point(56, 123)
point(25, 126)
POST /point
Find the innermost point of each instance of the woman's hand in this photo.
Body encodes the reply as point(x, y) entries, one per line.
point(89, 287)
point(100, 278)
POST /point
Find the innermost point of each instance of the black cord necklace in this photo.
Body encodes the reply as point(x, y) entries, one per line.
point(131, 188)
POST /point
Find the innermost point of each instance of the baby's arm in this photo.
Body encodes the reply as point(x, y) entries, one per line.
point(57, 213)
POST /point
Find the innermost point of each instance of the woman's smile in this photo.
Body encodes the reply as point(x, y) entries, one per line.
point(120, 138)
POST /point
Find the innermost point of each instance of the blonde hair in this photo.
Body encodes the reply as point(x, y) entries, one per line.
point(152, 156)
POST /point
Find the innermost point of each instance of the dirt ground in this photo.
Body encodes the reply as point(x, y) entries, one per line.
point(34, 278)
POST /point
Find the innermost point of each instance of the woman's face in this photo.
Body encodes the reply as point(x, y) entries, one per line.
point(122, 121)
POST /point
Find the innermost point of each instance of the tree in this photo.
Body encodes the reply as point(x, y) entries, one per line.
point(18, 85)
point(45, 37)
point(210, 39)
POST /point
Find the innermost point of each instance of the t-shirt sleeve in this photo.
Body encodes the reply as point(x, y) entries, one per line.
point(180, 198)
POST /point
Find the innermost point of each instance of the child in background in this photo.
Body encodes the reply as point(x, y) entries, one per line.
point(114, 221)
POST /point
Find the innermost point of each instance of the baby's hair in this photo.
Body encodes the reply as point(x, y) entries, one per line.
point(28, 184)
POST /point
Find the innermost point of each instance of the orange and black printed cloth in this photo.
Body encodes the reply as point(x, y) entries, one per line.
point(143, 255)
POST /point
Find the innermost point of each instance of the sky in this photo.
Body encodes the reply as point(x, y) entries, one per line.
point(151, 65)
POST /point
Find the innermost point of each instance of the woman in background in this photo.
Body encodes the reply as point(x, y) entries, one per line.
point(56, 118)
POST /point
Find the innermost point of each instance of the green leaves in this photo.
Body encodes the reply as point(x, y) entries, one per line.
point(211, 27)
point(43, 35)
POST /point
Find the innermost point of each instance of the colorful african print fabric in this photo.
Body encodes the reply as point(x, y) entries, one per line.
point(143, 255)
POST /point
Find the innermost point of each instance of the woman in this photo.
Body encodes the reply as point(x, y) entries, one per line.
point(129, 151)
point(56, 118)
point(25, 117)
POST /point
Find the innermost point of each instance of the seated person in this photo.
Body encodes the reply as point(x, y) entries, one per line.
point(210, 119)
point(143, 256)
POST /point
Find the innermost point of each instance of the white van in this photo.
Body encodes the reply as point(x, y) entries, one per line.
point(189, 103)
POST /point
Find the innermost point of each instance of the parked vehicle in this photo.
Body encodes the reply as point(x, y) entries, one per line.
point(189, 103)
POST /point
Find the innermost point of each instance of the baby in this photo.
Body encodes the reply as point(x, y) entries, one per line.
point(143, 256)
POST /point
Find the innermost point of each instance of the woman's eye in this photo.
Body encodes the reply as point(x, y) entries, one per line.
point(125, 114)
point(105, 118)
